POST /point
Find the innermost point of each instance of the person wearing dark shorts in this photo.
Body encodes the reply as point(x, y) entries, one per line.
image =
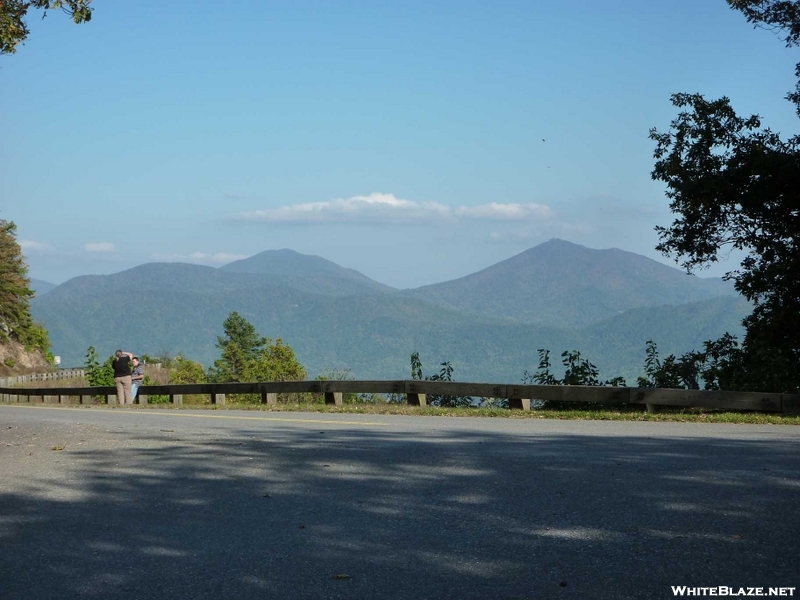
point(122, 376)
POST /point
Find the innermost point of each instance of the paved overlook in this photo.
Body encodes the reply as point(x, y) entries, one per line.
point(115, 503)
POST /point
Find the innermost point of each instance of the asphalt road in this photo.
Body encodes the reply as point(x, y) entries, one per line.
point(126, 503)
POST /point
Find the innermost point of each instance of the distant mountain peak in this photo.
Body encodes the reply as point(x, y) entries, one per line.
point(41, 287)
point(290, 263)
point(564, 284)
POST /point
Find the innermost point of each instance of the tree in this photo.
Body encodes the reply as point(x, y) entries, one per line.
point(577, 371)
point(445, 374)
point(185, 370)
point(246, 356)
point(275, 362)
point(720, 366)
point(14, 30)
point(672, 372)
point(543, 376)
point(16, 322)
point(734, 185)
point(780, 16)
point(15, 292)
point(97, 374)
point(240, 346)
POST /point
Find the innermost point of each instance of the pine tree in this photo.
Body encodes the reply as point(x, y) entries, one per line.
point(15, 292)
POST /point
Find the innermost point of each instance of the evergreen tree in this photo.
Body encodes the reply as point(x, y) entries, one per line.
point(246, 356)
point(240, 345)
point(16, 322)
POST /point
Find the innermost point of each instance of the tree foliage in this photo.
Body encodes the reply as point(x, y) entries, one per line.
point(15, 292)
point(781, 17)
point(246, 356)
point(185, 370)
point(16, 322)
point(577, 371)
point(97, 374)
point(445, 374)
point(735, 185)
point(14, 29)
point(240, 346)
point(719, 366)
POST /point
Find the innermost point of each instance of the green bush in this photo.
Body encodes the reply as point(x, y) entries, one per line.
point(97, 374)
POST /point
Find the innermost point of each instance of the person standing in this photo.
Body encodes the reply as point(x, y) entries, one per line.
point(137, 376)
point(122, 376)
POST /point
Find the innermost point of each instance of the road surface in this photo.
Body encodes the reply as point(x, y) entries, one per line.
point(140, 504)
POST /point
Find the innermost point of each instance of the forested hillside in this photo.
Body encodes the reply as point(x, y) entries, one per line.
point(562, 284)
point(336, 318)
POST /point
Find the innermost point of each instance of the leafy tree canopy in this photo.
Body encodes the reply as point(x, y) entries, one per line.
point(14, 30)
point(734, 185)
point(98, 374)
point(187, 371)
point(246, 356)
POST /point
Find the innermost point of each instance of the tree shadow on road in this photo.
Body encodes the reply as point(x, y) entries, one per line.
point(345, 512)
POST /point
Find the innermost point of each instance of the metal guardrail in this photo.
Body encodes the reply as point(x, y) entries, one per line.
point(49, 376)
point(416, 392)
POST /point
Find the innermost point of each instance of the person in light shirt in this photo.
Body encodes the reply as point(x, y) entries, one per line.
point(137, 376)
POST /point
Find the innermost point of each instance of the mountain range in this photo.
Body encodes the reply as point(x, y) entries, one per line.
point(558, 295)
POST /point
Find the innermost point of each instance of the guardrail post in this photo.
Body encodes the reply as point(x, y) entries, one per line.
point(142, 399)
point(515, 401)
point(217, 398)
point(62, 399)
point(519, 403)
point(651, 408)
point(269, 398)
point(333, 398)
point(176, 398)
point(111, 399)
point(413, 395)
point(790, 402)
point(414, 399)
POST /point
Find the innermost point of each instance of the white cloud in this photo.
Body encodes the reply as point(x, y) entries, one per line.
point(31, 247)
point(217, 258)
point(505, 212)
point(100, 247)
point(536, 233)
point(512, 236)
point(386, 207)
point(204, 258)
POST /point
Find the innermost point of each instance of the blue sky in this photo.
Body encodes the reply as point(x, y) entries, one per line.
point(414, 142)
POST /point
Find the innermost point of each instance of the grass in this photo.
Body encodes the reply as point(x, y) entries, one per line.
point(633, 413)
